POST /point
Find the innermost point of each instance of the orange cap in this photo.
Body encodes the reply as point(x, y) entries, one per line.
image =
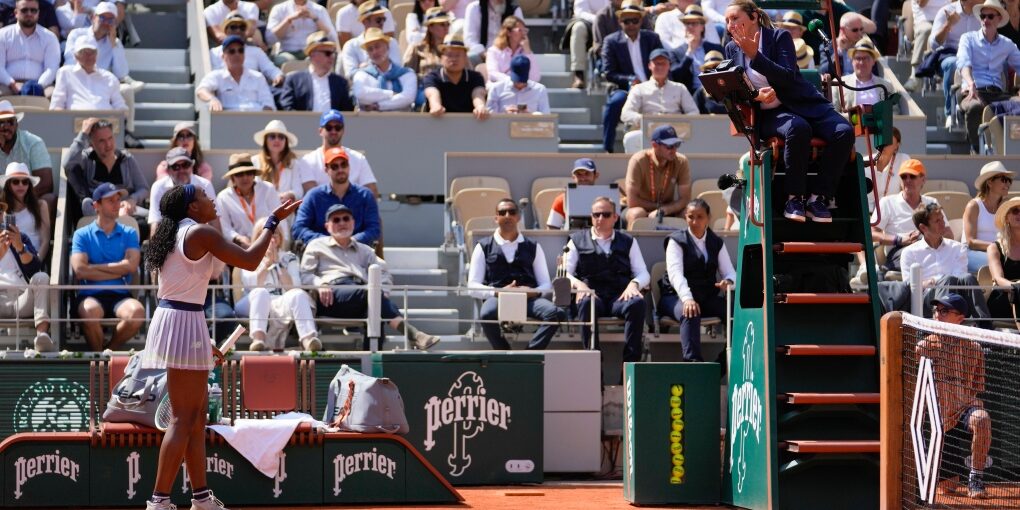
point(912, 167)
point(333, 154)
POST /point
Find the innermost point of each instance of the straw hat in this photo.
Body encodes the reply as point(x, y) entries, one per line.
point(370, 8)
point(989, 171)
point(995, 5)
point(694, 12)
point(7, 111)
point(712, 60)
point(631, 8)
point(865, 45)
point(805, 54)
point(792, 19)
point(1003, 210)
point(276, 126)
point(17, 169)
point(238, 164)
point(436, 15)
point(233, 19)
point(372, 35)
point(316, 40)
point(453, 41)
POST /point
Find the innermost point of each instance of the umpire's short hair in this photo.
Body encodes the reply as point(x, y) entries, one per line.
point(924, 213)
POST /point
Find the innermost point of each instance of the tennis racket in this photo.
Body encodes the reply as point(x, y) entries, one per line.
point(164, 414)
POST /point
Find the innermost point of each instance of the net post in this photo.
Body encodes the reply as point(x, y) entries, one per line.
point(374, 306)
point(891, 410)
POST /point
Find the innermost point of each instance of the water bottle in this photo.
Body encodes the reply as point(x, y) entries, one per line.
point(215, 404)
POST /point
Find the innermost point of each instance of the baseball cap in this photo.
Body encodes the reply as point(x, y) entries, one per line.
point(87, 42)
point(105, 8)
point(337, 208)
point(658, 52)
point(587, 164)
point(177, 154)
point(334, 154)
point(954, 301)
point(665, 135)
point(520, 68)
point(107, 189)
point(912, 167)
point(330, 115)
point(231, 39)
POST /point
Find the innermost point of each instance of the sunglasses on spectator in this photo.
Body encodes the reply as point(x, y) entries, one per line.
point(377, 20)
point(333, 127)
point(989, 16)
point(184, 135)
point(327, 53)
point(233, 51)
point(276, 136)
point(338, 166)
point(602, 214)
point(341, 219)
point(29, 10)
point(177, 167)
point(942, 310)
point(1005, 178)
point(908, 176)
point(506, 212)
point(856, 29)
point(8, 122)
point(19, 182)
point(237, 26)
point(630, 21)
point(108, 20)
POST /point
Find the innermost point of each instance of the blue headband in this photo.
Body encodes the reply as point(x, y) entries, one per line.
point(189, 194)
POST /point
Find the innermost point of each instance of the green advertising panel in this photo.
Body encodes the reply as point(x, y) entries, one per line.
point(44, 396)
point(476, 417)
point(364, 472)
point(43, 473)
point(671, 437)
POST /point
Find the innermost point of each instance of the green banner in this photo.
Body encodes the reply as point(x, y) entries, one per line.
point(41, 474)
point(44, 396)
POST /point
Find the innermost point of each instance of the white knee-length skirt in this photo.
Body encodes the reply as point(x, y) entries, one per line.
point(178, 339)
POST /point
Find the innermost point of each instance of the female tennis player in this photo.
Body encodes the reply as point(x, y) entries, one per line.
point(186, 252)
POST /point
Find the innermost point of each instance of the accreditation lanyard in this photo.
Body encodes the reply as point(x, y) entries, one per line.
point(247, 207)
point(888, 175)
point(651, 179)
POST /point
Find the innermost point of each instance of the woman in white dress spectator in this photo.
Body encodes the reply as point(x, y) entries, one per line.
point(979, 230)
point(512, 40)
point(272, 303)
point(31, 215)
point(185, 135)
point(279, 165)
point(414, 23)
point(244, 200)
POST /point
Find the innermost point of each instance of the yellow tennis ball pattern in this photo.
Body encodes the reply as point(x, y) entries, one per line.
point(676, 437)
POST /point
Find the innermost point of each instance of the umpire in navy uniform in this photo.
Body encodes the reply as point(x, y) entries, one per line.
point(608, 263)
point(509, 260)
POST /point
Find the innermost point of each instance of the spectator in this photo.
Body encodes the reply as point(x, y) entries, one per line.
point(943, 261)
point(607, 24)
point(245, 200)
point(31, 215)
point(657, 96)
point(235, 87)
point(414, 22)
point(1004, 259)
point(20, 264)
point(254, 57)
point(852, 30)
point(291, 22)
point(217, 14)
point(331, 129)
point(689, 54)
point(697, 268)
point(606, 265)
point(279, 165)
point(272, 302)
point(863, 57)
point(383, 85)
point(518, 94)
point(1012, 28)
point(924, 13)
point(186, 136)
point(704, 101)
point(180, 168)
point(317, 88)
point(673, 26)
point(510, 42)
point(425, 57)
point(78, 14)
point(93, 159)
point(952, 21)
point(625, 55)
point(28, 57)
point(350, 23)
point(577, 38)
point(980, 59)
point(48, 17)
point(340, 259)
point(887, 169)
point(83, 86)
point(896, 226)
point(372, 15)
point(508, 260)
point(658, 180)
point(19, 145)
point(805, 55)
point(811, 37)
point(584, 174)
point(453, 88)
point(107, 253)
point(979, 230)
point(480, 31)
point(311, 216)
point(793, 22)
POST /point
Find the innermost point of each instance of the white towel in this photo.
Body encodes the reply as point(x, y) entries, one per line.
point(261, 441)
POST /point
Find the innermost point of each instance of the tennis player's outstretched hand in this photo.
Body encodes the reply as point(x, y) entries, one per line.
point(286, 209)
point(218, 356)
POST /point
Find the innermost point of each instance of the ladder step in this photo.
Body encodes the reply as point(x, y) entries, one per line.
point(806, 446)
point(810, 247)
point(826, 350)
point(829, 398)
point(810, 298)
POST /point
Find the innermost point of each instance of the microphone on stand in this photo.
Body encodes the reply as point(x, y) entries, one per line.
point(818, 27)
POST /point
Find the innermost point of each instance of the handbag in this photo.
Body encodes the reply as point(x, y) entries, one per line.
point(362, 403)
point(136, 396)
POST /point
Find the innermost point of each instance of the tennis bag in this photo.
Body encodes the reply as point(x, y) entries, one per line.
point(136, 396)
point(361, 403)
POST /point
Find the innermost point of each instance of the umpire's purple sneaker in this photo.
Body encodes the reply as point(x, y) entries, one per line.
point(795, 209)
point(818, 211)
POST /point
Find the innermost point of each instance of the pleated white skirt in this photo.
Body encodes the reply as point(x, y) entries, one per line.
point(178, 339)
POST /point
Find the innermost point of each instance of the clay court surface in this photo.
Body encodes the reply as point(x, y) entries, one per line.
point(999, 497)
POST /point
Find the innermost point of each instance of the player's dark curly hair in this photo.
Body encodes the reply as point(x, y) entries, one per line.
point(174, 208)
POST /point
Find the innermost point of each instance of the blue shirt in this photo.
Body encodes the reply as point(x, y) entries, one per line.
point(310, 221)
point(987, 60)
point(101, 248)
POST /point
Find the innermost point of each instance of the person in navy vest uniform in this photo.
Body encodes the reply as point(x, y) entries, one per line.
point(508, 260)
point(608, 264)
point(694, 259)
point(791, 108)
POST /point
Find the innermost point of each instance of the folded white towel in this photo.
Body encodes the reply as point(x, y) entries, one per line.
point(260, 441)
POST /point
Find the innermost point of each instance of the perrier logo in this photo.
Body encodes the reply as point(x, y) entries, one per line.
point(53, 405)
point(467, 410)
